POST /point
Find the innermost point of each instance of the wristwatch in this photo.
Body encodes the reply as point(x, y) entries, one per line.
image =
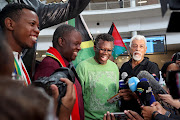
point(167, 113)
point(154, 113)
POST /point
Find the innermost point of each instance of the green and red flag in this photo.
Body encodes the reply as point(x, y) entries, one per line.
point(87, 41)
point(119, 46)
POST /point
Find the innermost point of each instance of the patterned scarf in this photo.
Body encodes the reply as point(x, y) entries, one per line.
point(18, 71)
point(53, 53)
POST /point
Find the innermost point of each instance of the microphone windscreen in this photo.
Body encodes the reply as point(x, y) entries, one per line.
point(132, 83)
point(122, 84)
point(157, 89)
point(124, 75)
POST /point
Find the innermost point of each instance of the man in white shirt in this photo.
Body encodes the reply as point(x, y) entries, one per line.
point(20, 25)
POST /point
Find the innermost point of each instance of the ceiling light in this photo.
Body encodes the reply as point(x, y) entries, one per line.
point(43, 55)
point(64, 0)
point(142, 2)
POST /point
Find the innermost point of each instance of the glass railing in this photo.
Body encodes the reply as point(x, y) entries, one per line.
point(112, 4)
point(120, 4)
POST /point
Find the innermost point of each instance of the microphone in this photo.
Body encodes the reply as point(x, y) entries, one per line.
point(157, 89)
point(132, 83)
point(122, 84)
point(124, 75)
point(144, 92)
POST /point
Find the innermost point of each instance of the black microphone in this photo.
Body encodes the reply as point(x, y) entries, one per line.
point(157, 89)
point(144, 92)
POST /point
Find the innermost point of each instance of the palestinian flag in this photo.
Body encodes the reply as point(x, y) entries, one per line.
point(119, 46)
point(87, 41)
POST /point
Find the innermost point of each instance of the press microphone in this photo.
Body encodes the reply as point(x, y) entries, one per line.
point(132, 83)
point(144, 92)
point(157, 89)
point(124, 75)
point(122, 83)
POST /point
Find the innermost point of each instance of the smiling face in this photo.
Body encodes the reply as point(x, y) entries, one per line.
point(71, 45)
point(103, 51)
point(25, 30)
point(138, 49)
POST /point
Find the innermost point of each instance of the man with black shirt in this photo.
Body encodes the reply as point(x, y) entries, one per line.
point(136, 64)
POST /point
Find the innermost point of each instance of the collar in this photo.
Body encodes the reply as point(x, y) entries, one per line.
point(17, 55)
point(145, 60)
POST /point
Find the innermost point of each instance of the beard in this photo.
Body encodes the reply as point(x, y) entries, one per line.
point(137, 57)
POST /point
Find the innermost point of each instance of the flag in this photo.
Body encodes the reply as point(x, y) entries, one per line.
point(87, 44)
point(119, 46)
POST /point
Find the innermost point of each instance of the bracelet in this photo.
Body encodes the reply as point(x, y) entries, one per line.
point(167, 113)
point(154, 113)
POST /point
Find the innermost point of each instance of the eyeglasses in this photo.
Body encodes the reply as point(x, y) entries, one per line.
point(104, 50)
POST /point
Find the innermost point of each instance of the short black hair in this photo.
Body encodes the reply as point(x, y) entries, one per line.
point(61, 31)
point(164, 68)
point(13, 11)
point(104, 37)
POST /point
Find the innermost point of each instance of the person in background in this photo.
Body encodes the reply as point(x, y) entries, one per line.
point(168, 66)
point(99, 79)
point(167, 98)
point(49, 15)
point(136, 64)
point(66, 44)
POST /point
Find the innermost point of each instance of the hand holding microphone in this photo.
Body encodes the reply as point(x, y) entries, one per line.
point(128, 94)
point(123, 92)
point(142, 90)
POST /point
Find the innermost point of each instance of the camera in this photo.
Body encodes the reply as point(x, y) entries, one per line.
point(46, 82)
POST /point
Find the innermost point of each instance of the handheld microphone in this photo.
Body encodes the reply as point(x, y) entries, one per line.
point(122, 84)
point(157, 89)
point(132, 83)
point(124, 75)
point(144, 92)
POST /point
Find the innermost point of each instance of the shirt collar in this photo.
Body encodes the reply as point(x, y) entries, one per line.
point(145, 60)
point(16, 54)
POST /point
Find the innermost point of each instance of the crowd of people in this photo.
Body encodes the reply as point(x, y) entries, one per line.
point(96, 78)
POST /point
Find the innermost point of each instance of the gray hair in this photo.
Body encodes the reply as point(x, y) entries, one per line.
point(137, 37)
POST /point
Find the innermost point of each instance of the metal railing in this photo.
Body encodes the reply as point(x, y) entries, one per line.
point(119, 4)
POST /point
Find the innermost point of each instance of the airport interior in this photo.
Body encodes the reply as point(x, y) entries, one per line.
point(131, 17)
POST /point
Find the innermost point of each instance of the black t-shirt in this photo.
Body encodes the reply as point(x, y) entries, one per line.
point(147, 65)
